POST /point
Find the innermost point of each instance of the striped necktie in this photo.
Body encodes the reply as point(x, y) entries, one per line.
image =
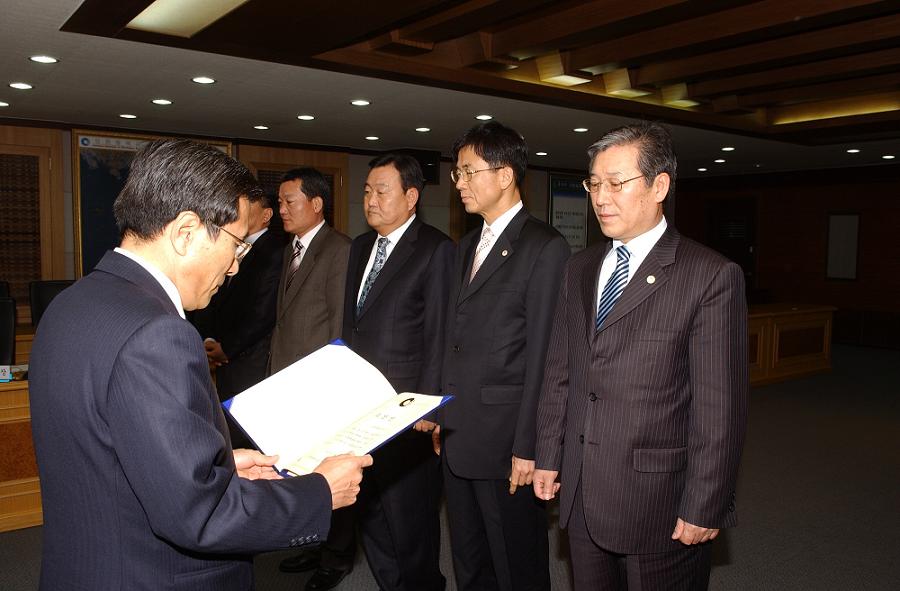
point(615, 286)
point(481, 251)
point(294, 264)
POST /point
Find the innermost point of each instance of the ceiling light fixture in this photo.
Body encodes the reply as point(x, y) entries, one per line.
point(853, 151)
point(360, 103)
point(128, 116)
point(4, 104)
point(21, 86)
point(43, 59)
point(580, 130)
point(540, 153)
point(728, 149)
point(181, 18)
point(305, 117)
point(203, 80)
point(719, 161)
point(888, 156)
point(701, 170)
point(484, 117)
point(161, 102)
point(423, 129)
point(261, 127)
point(372, 138)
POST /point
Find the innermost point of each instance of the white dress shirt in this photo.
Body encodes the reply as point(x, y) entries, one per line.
point(499, 225)
point(305, 240)
point(639, 247)
point(160, 277)
point(393, 238)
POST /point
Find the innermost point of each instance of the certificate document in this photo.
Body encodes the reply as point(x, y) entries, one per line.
point(328, 403)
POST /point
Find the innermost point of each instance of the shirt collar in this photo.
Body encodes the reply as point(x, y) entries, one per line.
point(395, 236)
point(160, 277)
point(307, 238)
point(252, 238)
point(505, 218)
point(641, 246)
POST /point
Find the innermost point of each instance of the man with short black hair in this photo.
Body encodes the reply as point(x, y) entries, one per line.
point(395, 313)
point(140, 486)
point(310, 312)
point(504, 287)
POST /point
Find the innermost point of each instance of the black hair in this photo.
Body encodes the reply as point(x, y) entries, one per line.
point(410, 170)
point(497, 145)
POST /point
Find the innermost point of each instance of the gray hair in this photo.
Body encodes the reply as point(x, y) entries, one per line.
point(656, 154)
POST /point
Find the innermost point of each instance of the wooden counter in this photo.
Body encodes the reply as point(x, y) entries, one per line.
point(20, 490)
point(788, 341)
point(24, 338)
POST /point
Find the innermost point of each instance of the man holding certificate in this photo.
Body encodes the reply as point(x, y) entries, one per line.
point(141, 488)
point(394, 314)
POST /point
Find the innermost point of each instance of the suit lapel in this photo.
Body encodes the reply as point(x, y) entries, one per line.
point(641, 287)
point(306, 266)
point(501, 252)
point(590, 285)
point(399, 255)
point(365, 251)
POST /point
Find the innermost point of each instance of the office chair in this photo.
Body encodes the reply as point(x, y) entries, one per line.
point(42, 292)
point(4, 289)
point(7, 331)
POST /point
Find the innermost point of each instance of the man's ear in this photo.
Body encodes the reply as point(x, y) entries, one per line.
point(318, 204)
point(184, 231)
point(412, 197)
point(661, 187)
point(507, 177)
point(267, 214)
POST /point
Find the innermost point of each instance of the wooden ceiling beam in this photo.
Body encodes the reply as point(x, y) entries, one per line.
point(821, 70)
point(842, 38)
point(570, 21)
point(835, 108)
point(466, 18)
point(714, 26)
point(828, 90)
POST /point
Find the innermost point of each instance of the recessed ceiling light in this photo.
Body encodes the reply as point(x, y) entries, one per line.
point(728, 149)
point(305, 117)
point(423, 129)
point(263, 127)
point(888, 156)
point(203, 80)
point(701, 170)
point(161, 102)
point(360, 103)
point(21, 86)
point(372, 138)
point(484, 117)
point(719, 161)
point(43, 59)
point(540, 153)
point(128, 116)
point(580, 129)
point(4, 104)
point(853, 151)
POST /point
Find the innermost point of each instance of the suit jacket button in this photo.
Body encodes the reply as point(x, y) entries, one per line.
point(456, 348)
point(581, 439)
point(592, 397)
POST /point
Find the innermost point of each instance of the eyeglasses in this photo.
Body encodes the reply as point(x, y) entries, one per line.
point(612, 185)
point(241, 248)
point(466, 174)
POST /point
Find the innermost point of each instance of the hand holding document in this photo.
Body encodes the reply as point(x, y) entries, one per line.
point(331, 402)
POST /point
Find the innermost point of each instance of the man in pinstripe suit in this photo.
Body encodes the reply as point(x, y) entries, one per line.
point(644, 404)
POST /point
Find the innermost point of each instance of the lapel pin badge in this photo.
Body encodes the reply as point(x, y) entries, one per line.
point(504, 253)
point(651, 279)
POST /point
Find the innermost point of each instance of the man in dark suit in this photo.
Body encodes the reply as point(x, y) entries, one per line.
point(241, 315)
point(395, 310)
point(644, 404)
point(504, 288)
point(140, 486)
point(309, 315)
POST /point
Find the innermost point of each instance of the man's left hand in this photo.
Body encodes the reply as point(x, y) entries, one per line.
point(252, 465)
point(521, 473)
point(690, 534)
point(214, 352)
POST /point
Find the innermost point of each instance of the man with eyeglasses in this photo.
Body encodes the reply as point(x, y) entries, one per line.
point(141, 488)
point(504, 287)
point(643, 411)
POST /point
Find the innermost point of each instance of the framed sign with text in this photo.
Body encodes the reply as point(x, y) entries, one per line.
point(569, 209)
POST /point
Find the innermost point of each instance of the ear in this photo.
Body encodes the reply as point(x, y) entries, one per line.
point(184, 231)
point(661, 187)
point(267, 214)
point(412, 197)
point(318, 203)
point(507, 177)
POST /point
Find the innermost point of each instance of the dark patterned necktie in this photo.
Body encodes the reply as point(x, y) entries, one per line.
point(294, 265)
point(380, 257)
point(615, 286)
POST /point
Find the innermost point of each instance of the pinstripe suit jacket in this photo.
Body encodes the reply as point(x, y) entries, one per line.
point(648, 414)
point(137, 473)
point(310, 313)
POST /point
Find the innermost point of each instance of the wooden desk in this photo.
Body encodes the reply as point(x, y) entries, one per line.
point(20, 490)
point(24, 338)
point(788, 341)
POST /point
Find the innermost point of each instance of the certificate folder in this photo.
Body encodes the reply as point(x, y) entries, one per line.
point(328, 403)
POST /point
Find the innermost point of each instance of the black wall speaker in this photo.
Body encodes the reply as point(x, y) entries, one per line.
point(429, 160)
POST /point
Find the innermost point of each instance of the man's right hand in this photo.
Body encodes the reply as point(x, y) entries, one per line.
point(545, 485)
point(344, 474)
